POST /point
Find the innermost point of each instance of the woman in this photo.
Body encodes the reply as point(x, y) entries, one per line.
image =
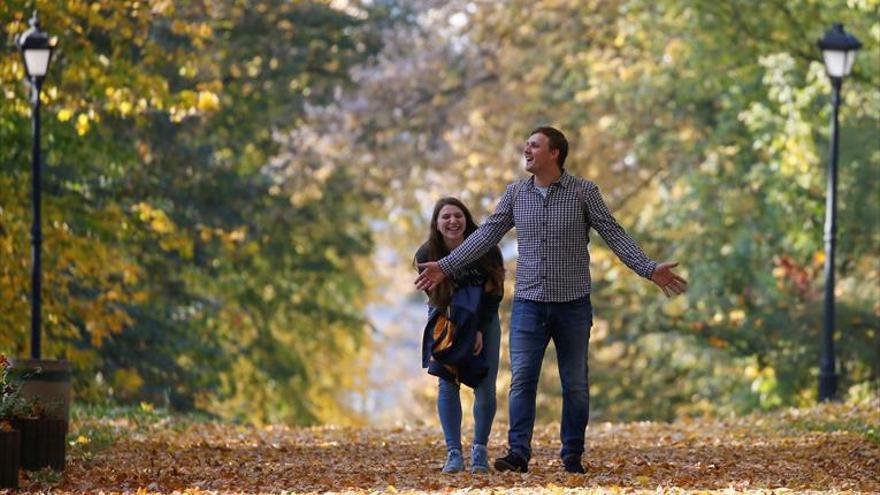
point(451, 223)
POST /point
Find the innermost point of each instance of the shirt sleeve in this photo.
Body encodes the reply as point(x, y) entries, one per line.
point(481, 240)
point(621, 243)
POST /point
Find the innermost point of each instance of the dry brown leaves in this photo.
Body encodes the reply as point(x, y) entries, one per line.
point(753, 454)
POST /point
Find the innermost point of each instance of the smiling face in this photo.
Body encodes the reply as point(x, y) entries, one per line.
point(451, 224)
point(539, 157)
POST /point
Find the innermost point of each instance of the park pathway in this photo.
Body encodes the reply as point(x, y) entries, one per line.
point(822, 449)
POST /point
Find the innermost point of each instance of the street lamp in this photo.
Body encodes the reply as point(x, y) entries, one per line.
point(839, 50)
point(45, 380)
point(36, 51)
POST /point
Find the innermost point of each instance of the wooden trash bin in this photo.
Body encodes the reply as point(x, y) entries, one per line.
point(44, 439)
point(43, 443)
point(10, 445)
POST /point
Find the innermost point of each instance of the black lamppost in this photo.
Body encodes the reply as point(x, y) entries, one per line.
point(36, 51)
point(839, 50)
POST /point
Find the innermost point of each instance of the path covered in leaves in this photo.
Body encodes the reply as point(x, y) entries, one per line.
point(822, 449)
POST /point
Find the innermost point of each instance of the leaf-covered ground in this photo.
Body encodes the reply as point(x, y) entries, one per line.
point(829, 448)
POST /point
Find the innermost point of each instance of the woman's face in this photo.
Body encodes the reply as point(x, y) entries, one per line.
point(451, 223)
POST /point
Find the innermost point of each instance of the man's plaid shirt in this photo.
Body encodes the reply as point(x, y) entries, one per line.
point(552, 234)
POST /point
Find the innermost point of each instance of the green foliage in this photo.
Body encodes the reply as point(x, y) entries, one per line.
point(707, 129)
point(12, 403)
point(755, 199)
point(212, 171)
point(164, 231)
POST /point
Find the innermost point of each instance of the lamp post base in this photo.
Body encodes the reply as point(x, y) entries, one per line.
point(827, 386)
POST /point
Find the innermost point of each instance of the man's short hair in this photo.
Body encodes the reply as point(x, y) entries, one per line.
point(556, 141)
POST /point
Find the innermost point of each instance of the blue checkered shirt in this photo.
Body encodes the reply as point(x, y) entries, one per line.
point(552, 235)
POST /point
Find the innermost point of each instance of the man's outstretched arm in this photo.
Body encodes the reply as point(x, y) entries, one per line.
point(627, 250)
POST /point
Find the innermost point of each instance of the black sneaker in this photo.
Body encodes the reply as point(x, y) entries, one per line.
point(573, 464)
point(512, 462)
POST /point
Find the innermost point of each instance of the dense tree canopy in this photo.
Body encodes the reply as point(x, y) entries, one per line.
point(220, 172)
point(708, 131)
point(176, 269)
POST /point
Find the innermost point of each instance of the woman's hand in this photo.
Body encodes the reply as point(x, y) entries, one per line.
point(478, 343)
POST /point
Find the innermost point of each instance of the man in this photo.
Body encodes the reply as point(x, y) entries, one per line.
point(552, 212)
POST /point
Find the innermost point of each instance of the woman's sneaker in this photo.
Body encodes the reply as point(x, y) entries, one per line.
point(479, 459)
point(454, 461)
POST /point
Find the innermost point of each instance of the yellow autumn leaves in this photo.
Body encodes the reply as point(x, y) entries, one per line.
point(168, 454)
point(116, 87)
point(170, 238)
point(192, 103)
point(120, 102)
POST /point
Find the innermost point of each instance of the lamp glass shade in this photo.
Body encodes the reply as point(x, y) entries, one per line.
point(839, 51)
point(835, 62)
point(839, 63)
point(850, 60)
point(37, 61)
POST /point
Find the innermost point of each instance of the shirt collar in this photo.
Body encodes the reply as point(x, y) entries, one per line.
point(564, 181)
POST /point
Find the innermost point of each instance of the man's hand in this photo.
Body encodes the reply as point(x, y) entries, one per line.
point(430, 276)
point(671, 283)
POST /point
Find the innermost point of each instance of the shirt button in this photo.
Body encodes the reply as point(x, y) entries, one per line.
point(543, 258)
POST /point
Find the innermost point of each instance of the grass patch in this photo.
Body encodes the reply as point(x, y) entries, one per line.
point(860, 419)
point(44, 479)
point(868, 431)
point(97, 427)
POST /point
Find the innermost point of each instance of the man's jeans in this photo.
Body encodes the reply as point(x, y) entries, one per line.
point(532, 326)
point(449, 400)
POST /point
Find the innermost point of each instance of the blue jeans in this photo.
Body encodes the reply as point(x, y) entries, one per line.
point(449, 400)
point(532, 325)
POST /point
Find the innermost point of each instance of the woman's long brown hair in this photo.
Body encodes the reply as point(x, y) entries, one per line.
point(491, 261)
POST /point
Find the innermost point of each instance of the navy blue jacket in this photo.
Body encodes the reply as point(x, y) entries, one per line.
point(449, 338)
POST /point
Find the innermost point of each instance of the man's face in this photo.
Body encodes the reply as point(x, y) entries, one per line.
point(539, 157)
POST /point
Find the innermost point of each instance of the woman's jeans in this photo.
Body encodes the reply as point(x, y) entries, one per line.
point(449, 400)
point(532, 325)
